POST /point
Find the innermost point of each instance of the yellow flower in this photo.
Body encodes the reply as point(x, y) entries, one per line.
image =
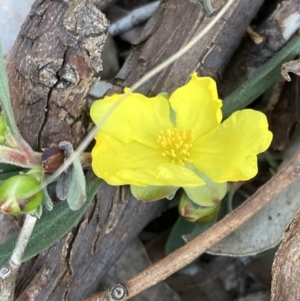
point(159, 141)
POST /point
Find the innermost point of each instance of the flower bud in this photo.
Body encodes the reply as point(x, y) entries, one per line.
point(152, 193)
point(14, 193)
point(207, 195)
point(195, 213)
point(52, 159)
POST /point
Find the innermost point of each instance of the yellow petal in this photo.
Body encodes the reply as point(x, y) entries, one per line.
point(197, 105)
point(229, 153)
point(120, 163)
point(136, 118)
point(162, 175)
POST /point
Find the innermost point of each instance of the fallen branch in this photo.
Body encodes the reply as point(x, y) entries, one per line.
point(185, 255)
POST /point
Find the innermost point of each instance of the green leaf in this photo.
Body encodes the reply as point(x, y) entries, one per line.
point(5, 98)
point(182, 228)
point(47, 202)
point(62, 186)
point(198, 229)
point(261, 80)
point(75, 188)
point(52, 226)
point(8, 170)
point(265, 229)
point(183, 231)
point(175, 239)
point(76, 194)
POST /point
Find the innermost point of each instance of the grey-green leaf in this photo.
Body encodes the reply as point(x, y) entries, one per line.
point(62, 186)
point(175, 239)
point(5, 98)
point(265, 229)
point(47, 200)
point(76, 194)
point(261, 80)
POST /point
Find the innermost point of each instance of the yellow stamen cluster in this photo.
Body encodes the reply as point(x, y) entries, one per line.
point(176, 145)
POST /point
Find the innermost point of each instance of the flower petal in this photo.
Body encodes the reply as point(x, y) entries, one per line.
point(229, 153)
point(137, 118)
point(162, 175)
point(120, 163)
point(197, 105)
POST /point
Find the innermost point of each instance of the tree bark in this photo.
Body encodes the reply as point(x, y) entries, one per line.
point(164, 35)
point(51, 67)
point(285, 270)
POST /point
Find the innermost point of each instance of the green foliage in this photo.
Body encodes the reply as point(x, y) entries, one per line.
point(76, 194)
point(8, 170)
point(180, 230)
point(261, 80)
point(5, 98)
point(175, 239)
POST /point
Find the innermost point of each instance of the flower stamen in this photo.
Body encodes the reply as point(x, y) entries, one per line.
point(176, 145)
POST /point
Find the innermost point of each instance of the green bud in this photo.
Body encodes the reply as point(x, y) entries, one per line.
point(152, 193)
point(207, 195)
point(14, 192)
point(195, 213)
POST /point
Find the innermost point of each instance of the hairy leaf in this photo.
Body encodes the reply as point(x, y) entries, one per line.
point(5, 98)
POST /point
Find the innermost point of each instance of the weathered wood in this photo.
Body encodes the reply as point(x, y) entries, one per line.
point(50, 69)
point(285, 270)
point(174, 24)
point(78, 262)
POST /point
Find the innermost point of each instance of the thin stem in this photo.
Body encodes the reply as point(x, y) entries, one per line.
point(208, 6)
point(26, 231)
point(185, 255)
point(85, 160)
point(19, 157)
point(8, 274)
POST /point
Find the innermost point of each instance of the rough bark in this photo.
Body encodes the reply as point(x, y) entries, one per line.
point(164, 35)
point(51, 68)
point(285, 270)
point(75, 265)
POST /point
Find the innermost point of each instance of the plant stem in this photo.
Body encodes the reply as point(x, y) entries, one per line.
point(20, 157)
point(208, 6)
point(8, 274)
point(185, 255)
point(26, 231)
point(85, 160)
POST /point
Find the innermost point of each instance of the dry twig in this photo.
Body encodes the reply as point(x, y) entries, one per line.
point(185, 255)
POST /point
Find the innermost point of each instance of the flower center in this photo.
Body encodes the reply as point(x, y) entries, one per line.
point(176, 145)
